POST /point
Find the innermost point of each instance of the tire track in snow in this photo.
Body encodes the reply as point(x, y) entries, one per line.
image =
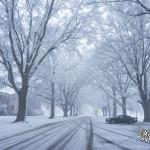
point(31, 130)
point(45, 138)
point(124, 129)
point(111, 142)
point(24, 137)
point(90, 141)
point(61, 142)
point(29, 141)
point(115, 143)
point(105, 140)
point(119, 133)
point(139, 124)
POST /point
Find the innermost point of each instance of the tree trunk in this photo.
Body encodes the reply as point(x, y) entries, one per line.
point(74, 110)
point(114, 104)
point(77, 111)
point(143, 92)
point(104, 111)
point(71, 111)
point(114, 109)
point(124, 109)
point(22, 96)
point(52, 109)
point(65, 113)
point(146, 108)
point(108, 106)
point(52, 101)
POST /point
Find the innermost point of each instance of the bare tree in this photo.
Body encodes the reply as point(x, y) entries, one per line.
point(114, 82)
point(121, 83)
point(25, 51)
point(128, 38)
point(68, 96)
point(140, 7)
point(132, 48)
point(107, 86)
point(145, 9)
point(48, 91)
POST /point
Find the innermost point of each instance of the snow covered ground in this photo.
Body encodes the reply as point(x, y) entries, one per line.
point(74, 133)
point(7, 127)
point(118, 136)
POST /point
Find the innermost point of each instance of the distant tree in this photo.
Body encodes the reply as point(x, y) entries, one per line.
point(68, 96)
point(116, 75)
point(107, 86)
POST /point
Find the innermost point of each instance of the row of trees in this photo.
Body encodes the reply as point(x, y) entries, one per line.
point(58, 85)
point(29, 34)
point(64, 95)
point(126, 52)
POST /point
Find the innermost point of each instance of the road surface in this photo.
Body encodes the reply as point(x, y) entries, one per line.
point(80, 133)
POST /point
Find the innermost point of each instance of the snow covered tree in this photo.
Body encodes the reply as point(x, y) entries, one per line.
point(131, 45)
point(141, 7)
point(30, 36)
point(68, 96)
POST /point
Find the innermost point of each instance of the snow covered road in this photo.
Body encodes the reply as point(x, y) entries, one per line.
point(80, 133)
point(66, 134)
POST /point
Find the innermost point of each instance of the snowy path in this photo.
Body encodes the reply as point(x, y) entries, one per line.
point(81, 133)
